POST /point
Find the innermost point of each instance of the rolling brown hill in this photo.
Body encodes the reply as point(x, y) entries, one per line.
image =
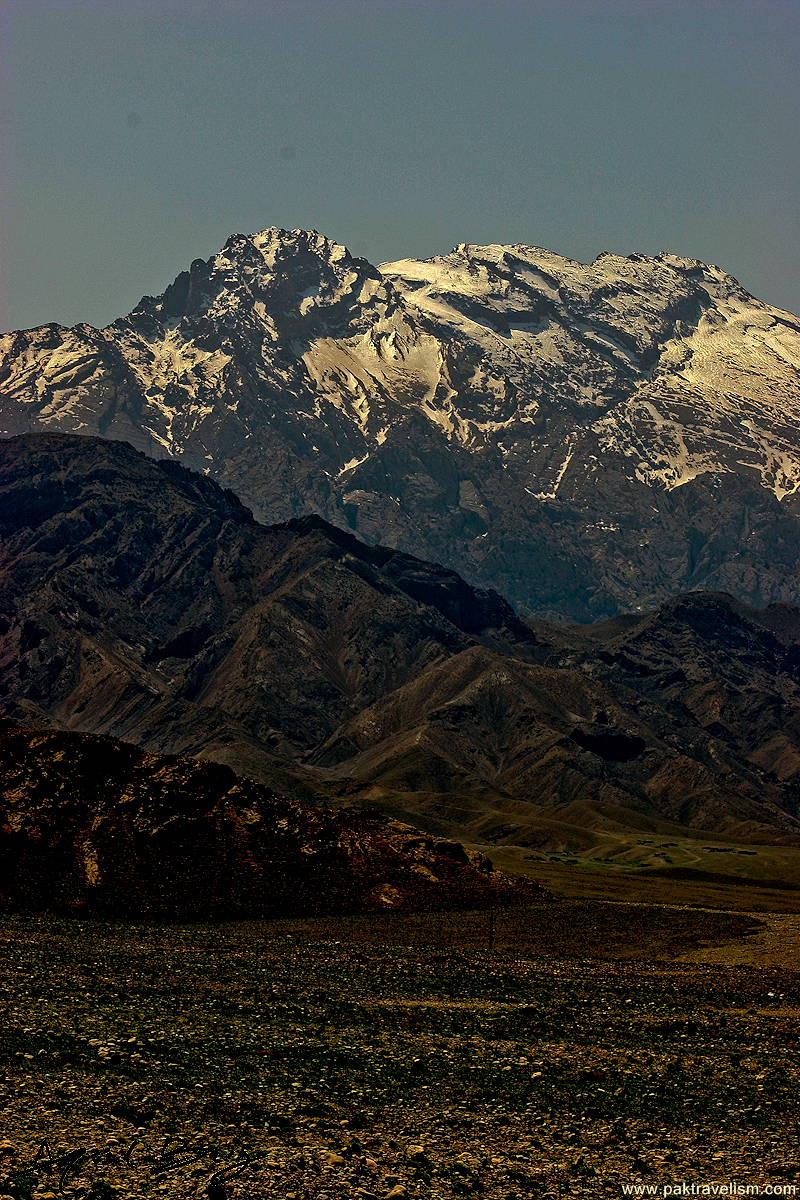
point(482, 741)
point(140, 600)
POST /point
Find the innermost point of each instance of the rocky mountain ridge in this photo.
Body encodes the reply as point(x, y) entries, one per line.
point(586, 438)
point(140, 601)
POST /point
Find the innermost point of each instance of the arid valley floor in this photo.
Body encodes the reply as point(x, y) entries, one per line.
point(563, 1049)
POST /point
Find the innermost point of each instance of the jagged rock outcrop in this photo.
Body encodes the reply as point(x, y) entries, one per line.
point(92, 824)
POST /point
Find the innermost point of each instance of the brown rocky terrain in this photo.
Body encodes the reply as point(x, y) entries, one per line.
point(138, 598)
point(92, 824)
point(394, 1057)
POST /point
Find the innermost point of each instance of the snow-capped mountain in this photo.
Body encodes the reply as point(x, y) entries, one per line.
point(585, 438)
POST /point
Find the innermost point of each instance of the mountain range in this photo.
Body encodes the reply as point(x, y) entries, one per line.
point(141, 601)
point(588, 439)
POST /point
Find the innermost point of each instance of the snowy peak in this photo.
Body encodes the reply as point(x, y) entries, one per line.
point(464, 407)
point(632, 340)
point(292, 272)
point(275, 273)
point(639, 297)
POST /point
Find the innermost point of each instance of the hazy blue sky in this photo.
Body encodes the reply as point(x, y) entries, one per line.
point(137, 135)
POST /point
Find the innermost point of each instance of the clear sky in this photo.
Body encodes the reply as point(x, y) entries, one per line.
point(138, 134)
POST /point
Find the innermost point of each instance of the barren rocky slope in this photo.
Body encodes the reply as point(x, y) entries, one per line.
point(587, 438)
point(89, 823)
point(139, 600)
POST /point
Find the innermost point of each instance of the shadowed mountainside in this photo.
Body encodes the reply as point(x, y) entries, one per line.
point(141, 601)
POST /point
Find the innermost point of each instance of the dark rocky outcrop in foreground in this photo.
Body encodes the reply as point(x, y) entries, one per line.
point(89, 823)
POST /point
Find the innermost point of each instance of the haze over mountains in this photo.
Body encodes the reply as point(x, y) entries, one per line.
point(587, 439)
point(141, 601)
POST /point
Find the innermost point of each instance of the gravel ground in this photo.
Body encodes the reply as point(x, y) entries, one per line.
point(257, 1060)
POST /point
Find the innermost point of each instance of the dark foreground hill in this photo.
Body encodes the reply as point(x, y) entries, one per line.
point(92, 824)
point(139, 600)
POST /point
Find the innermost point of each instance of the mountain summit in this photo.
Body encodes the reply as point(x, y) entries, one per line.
point(587, 438)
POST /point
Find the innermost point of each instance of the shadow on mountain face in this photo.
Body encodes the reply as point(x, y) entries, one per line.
point(141, 601)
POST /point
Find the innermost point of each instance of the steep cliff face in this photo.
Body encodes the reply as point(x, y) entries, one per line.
point(587, 438)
